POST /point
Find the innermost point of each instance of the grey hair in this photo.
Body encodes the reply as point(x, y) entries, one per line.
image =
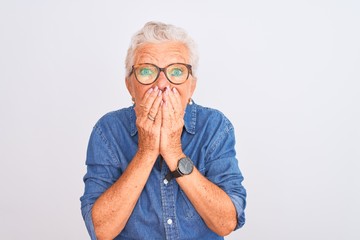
point(157, 32)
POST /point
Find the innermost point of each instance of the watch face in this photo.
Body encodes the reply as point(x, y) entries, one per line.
point(185, 166)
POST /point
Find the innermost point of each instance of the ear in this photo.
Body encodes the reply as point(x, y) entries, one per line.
point(193, 85)
point(129, 87)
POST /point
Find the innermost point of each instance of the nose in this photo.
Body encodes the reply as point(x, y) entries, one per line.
point(162, 81)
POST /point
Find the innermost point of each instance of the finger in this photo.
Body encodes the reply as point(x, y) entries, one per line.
point(147, 94)
point(158, 118)
point(165, 113)
point(141, 104)
point(148, 100)
point(155, 106)
point(176, 103)
point(170, 97)
point(176, 97)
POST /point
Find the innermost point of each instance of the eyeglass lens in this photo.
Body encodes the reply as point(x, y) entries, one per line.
point(176, 73)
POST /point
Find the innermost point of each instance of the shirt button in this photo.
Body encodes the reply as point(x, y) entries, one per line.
point(166, 181)
point(169, 221)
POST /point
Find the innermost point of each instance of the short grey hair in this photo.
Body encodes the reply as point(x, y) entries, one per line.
point(158, 32)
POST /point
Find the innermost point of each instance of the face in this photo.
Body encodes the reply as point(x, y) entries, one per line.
point(161, 54)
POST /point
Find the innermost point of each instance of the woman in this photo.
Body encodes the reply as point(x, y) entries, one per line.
point(164, 168)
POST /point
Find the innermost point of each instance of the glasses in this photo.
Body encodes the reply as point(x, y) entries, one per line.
point(147, 73)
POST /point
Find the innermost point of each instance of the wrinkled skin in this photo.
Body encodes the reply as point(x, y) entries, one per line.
point(162, 101)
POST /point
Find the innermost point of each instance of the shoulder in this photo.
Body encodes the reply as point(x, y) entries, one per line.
point(118, 120)
point(115, 116)
point(215, 132)
point(212, 117)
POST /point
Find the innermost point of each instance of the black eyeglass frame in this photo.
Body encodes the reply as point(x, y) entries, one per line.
point(188, 66)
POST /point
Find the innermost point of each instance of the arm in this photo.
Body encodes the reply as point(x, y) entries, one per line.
point(211, 202)
point(214, 205)
point(113, 208)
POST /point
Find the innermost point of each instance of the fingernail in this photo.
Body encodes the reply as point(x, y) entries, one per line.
point(160, 92)
point(150, 90)
point(156, 88)
point(174, 90)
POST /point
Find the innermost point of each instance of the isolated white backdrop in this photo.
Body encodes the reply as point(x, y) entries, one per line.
point(286, 73)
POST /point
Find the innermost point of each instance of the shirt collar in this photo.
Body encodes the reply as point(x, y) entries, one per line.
point(189, 119)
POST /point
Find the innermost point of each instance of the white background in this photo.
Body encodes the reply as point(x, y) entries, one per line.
point(286, 73)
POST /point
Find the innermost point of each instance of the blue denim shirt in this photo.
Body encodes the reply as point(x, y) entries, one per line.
point(163, 211)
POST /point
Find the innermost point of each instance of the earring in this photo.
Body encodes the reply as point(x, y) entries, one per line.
point(190, 102)
point(133, 101)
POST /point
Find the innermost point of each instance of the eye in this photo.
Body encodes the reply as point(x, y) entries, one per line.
point(176, 72)
point(145, 72)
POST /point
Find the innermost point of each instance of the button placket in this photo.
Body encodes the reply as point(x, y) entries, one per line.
point(165, 181)
point(167, 189)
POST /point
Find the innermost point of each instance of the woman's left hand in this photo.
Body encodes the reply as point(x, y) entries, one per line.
point(171, 128)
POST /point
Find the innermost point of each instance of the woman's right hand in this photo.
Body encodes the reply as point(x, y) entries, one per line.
point(148, 122)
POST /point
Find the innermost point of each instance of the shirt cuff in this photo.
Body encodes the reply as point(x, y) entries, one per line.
point(239, 206)
point(86, 213)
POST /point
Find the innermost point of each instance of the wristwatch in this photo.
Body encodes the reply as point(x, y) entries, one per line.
point(185, 167)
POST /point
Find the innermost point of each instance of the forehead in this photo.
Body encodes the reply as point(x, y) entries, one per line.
point(162, 54)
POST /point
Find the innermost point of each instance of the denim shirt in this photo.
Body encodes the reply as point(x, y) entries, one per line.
point(163, 210)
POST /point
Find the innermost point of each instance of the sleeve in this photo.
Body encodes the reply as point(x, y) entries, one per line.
point(222, 168)
point(100, 175)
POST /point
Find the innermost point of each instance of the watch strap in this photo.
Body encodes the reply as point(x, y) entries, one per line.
point(171, 175)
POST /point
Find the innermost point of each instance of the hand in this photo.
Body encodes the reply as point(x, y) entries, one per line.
point(171, 127)
point(148, 122)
